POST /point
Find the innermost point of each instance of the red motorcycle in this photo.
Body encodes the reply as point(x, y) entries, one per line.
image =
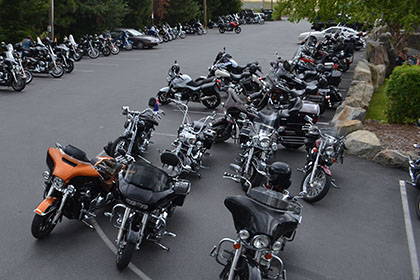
point(229, 26)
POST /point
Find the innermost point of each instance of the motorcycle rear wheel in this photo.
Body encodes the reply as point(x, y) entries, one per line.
point(322, 184)
point(19, 84)
point(42, 225)
point(213, 103)
point(182, 35)
point(124, 254)
point(121, 143)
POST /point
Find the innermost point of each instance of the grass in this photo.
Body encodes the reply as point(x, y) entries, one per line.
point(378, 105)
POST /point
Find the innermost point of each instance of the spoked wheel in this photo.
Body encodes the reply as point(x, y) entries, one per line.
point(77, 56)
point(128, 47)
point(28, 76)
point(58, 71)
point(69, 67)
point(93, 53)
point(320, 185)
point(125, 253)
point(19, 84)
point(221, 30)
point(212, 102)
point(238, 30)
point(163, 97)
point(119, 145)
point(115, 50)
point(42, 225)
point(106, 51)
point(182, 35)
point(418, 206)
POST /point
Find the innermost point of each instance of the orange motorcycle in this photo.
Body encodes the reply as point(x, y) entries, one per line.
point(74, 187)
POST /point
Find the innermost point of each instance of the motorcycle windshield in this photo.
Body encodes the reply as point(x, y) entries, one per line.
point(72, 41)
point(260, 219)
point(264, 121)
point(146, 176)
point(234, 63)
point(9, 52)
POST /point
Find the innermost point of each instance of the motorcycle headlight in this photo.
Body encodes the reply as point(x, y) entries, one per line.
point(264, 142)
point(261, 241)
point(277, 246)
point(244, 234)
point(46, 175)
point(58, 183)
point(191, 139)
point(329, 151)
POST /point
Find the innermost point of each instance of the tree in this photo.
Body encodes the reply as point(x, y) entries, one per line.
point(139, 13)
point(401, 16)
point(160, 9)
point(182, 11)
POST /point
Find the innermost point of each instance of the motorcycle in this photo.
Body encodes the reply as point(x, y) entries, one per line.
point(9, 75)
point(86, 45)
point(75, 52)
point(63, 57)
point(192, 142)
point(74, 187)
point(138, 131)
point(15, 56)
point(42, 59)
point(149, 197)
point(100, 44)
point(322, 151)
point(229, 26)
point(205, 91)
point(265, 220)
point(414, 171)
point(291, 119)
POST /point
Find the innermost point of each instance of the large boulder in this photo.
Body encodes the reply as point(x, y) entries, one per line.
point(386, 41)
point(378, 74)
point(363, 143)
point(359, 94)
point(362, 72)
point(376, 53)
point(392, 158)
point(345, 112)
point(347, 127)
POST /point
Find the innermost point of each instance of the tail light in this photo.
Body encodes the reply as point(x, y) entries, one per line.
point(218, 83)
point(315, 120)
point(335, 66)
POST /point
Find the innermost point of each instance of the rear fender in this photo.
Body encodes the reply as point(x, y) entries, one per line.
point(42, 208)
point(326, 170)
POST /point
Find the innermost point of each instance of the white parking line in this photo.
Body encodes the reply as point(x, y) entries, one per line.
point(111, 246)
point(98, 64)
point(84, 71)
point(409, 231)
point(164, 134)
point(198, 112)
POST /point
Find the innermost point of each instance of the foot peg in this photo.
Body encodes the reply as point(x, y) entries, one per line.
point(108, 214)
point(87, 224)
point(168, 233)
point(300, 170)
point(161, 246)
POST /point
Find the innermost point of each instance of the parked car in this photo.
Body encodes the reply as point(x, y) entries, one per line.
point(321, 34)
point(140, 40)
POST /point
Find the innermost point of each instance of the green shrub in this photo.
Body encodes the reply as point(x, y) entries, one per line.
point(279, 6)
point(403, 91)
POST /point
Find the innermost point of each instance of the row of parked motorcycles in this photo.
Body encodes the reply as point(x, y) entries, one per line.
point(166, 33)
point(260, 113)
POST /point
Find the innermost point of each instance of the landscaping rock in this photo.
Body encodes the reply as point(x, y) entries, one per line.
point(378, 75)
point(359, 94)
point(376, 53)
point(386, 41)
point(362, 72)
point(392, 158)
point(348, 113)
point(347, 127)
point(363, 143)
point(413, 41)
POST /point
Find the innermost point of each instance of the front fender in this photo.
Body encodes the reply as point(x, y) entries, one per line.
point(326, 170)
point(220, 121)
point(133, 236)
point(41, 209)
point(253, 271)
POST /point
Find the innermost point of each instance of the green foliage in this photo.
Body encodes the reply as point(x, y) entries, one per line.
point(378, 105)
point(403, 91)
point(139, 13)
point(279, 8)
point(396, 14)
point(182, 11)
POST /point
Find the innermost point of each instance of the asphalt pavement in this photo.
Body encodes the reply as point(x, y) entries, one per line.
point(355, 232)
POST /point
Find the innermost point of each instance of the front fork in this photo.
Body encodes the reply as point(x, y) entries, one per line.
point(235, 261)
point(248, 161)
point(314, 168)
point(68, 192)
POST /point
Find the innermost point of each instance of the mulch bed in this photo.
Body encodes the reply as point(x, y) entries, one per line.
point(395, 136)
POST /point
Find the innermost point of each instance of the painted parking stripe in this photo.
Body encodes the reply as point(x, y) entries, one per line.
point(98, 64)
point(84, 71)
point(409, 231)
point(198, 112)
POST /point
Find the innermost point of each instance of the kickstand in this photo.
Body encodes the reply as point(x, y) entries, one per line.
point(334, 185)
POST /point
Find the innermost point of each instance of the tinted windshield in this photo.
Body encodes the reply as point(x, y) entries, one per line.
point(147, 177)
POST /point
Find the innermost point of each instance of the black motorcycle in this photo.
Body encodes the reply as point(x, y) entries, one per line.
point(75, 52)
point(64, 58)
point(149, 197)
point(205, 91)
point(9, 74)
point(291, 116)
point(323, 150)
point(86, 45)
point(414, 170)
point(193, 140)
point(42, 59)
point(138, 131)
point(265, 220)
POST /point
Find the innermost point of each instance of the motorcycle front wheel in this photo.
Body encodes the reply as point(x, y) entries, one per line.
point(93, 53)
point(238, 30)
point(106, 51)
point(212, 102)
point(221, 30)
point(19, 84)
point(119, 145)
point(182, 35)
point(69, 67)
point(125, 253)
point(42, 225)
point(57, 72)
point(115, 50)
point(320, 185)
point(163, 97)
point(128, 47)
point(29, 77)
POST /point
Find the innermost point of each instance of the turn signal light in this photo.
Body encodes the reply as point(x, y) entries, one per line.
point(335, 66)
point(334, 159)
point(315, 150)
point(268, 256)
point(236, 246)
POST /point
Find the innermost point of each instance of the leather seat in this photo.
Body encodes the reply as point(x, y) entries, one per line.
point(200, 82)
point(76, 153)
point(237, 77)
